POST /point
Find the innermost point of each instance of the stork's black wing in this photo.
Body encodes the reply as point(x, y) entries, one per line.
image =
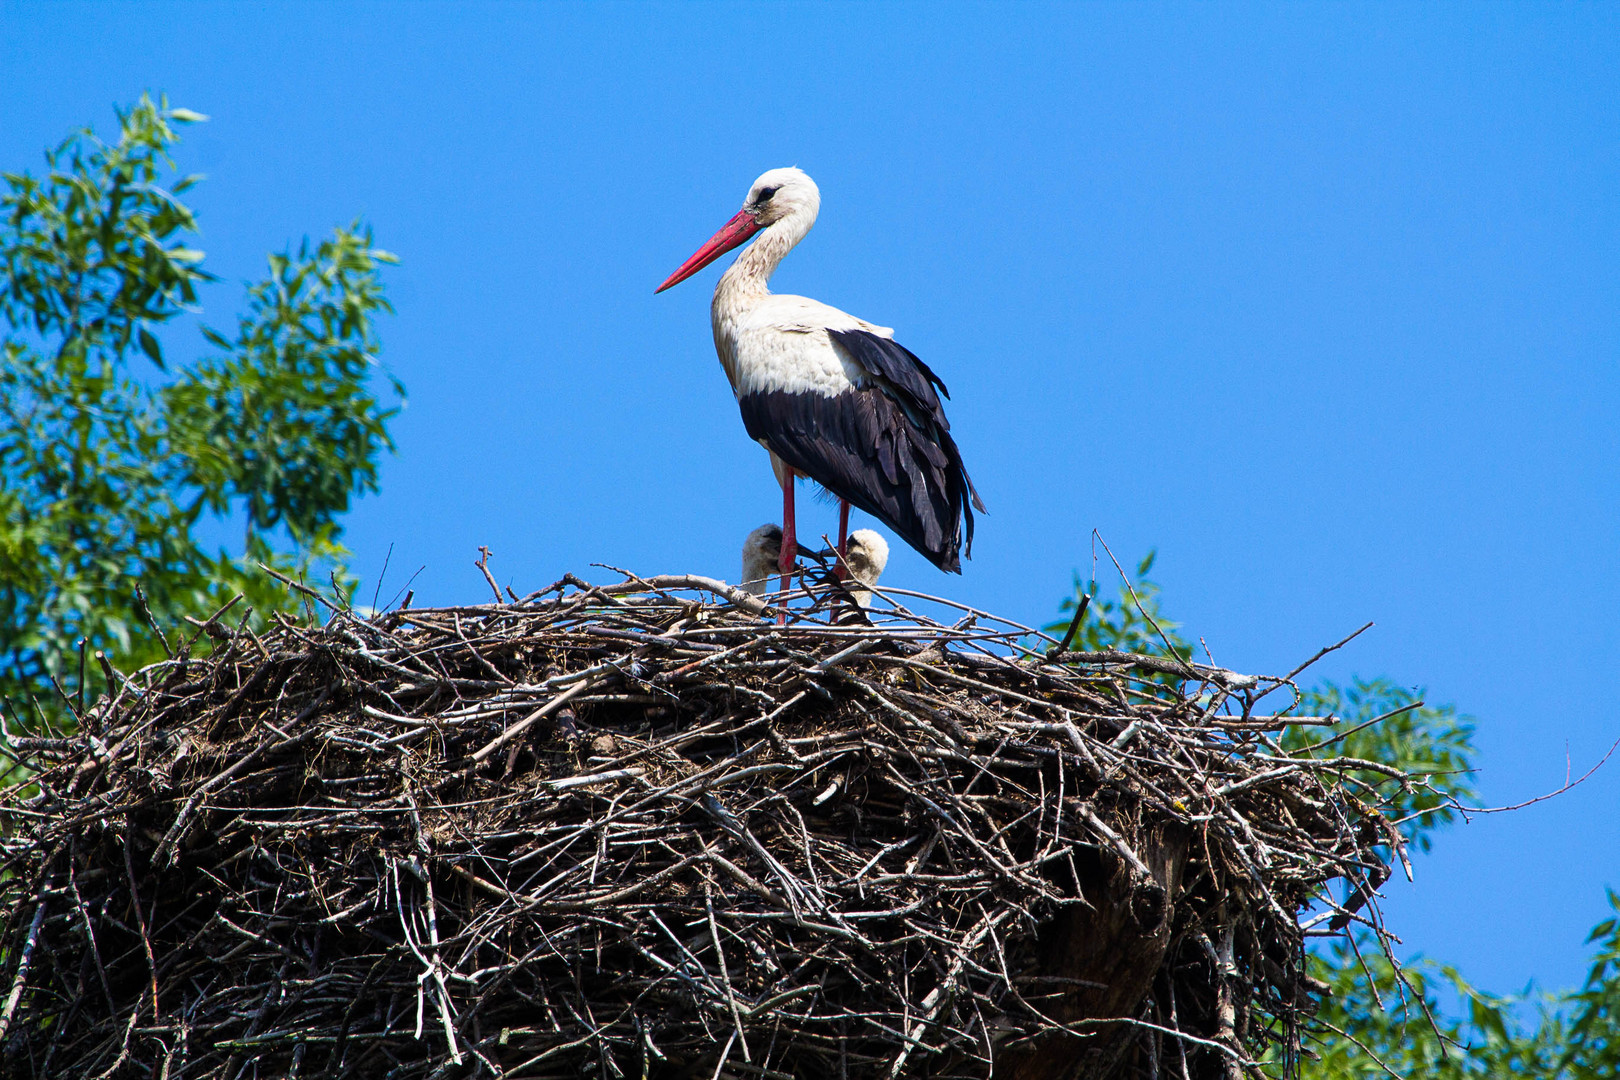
point(885, 447)
point(889, 361)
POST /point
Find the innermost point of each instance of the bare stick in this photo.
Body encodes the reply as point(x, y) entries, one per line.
point(23, 962)
point(483, 566)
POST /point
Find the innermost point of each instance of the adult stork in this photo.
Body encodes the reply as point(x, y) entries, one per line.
point(832, 397)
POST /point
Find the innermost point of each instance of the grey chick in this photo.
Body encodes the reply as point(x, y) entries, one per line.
point(760, 554)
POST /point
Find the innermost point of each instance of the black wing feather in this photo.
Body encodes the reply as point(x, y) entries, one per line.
point(892, 362)
point(885, 447)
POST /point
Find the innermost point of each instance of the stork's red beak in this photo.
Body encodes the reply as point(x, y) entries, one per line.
point(731, 234)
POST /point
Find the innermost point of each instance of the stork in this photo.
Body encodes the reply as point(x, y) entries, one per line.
point(830, 396)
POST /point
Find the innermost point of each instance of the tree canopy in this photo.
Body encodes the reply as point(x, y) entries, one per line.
point(112, 452)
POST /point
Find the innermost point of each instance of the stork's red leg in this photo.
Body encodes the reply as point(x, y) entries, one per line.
point(841, 570)
point(790, 542)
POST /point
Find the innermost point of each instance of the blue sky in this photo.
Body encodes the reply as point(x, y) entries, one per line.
point(1319, 301)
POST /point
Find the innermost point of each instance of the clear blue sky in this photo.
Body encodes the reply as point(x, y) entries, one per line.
point(1321, 301)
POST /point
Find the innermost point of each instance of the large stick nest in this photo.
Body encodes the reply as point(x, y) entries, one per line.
point(641, 830)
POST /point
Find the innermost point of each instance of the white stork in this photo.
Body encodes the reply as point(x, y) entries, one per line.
point(832, 397)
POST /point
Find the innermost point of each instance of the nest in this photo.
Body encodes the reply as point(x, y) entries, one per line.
point(641, 830)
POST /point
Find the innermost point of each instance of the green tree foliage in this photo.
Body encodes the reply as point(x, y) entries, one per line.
point(105, 475)
point(1378, 1023)
point(1380, 721)
point(1592, 1049)
point(1425, 1020)
point(1129, 622)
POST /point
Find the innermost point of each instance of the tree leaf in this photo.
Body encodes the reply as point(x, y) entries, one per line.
point(149, 346)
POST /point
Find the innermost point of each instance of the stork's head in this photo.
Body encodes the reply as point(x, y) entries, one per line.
point(778, 194)
point(760, 553)
point(866, 554)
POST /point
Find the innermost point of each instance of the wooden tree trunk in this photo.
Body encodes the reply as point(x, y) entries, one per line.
point(1110, 952)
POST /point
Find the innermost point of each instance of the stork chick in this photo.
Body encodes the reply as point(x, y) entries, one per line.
point(866, 555)
point(760, 554)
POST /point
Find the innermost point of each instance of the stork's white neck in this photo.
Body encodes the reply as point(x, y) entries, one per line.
point(749, 276)
point(742, 287)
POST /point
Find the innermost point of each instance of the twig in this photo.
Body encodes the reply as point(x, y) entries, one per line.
point(1074, 625)
point(23, 962)
point(483, 566)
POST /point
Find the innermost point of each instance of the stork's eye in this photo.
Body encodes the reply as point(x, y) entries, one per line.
point(765, 194)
